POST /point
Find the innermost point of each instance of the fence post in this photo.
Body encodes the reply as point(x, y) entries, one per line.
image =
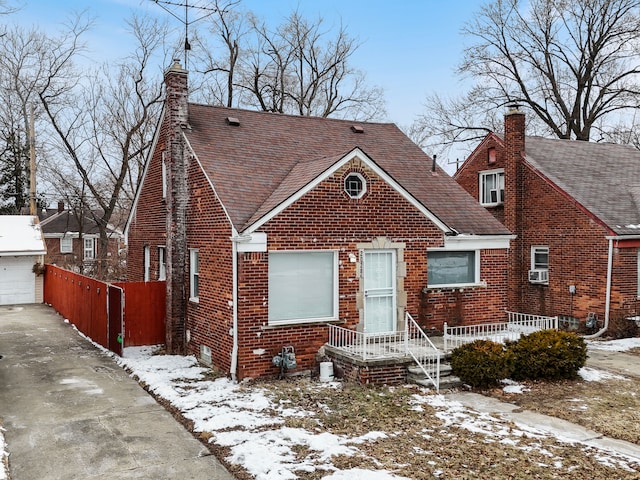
point(445, 337)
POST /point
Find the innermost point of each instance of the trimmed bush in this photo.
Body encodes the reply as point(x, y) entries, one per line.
point(481, 363)
point(548, 354)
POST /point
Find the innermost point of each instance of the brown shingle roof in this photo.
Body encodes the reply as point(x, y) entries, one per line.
point(261, 162)
point(603, 177)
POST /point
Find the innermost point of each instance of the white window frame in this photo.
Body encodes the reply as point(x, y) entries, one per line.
point(535, 249)
point(362, 181)
point(194, 275)
point(476, 281)
point(146, 259)
point(162, 262)
point(335, 300)
point(498, 173)
point(638, 272)
point(90, 249)
point(64, 247)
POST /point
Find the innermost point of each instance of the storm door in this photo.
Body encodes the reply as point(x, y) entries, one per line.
point(379, 274)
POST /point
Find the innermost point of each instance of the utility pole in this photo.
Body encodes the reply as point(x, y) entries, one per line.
point(32, 165)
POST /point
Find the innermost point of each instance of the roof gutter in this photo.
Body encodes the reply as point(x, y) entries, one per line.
point(607, 304)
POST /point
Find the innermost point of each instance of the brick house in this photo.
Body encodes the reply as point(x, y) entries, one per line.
point(575, 208)
point(269, 228)
point(73, 240)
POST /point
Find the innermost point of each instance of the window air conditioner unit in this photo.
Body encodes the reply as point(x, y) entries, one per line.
point(538, 276)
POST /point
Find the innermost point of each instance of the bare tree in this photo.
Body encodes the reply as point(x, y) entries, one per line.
point(300, 68)
point(32, 63)
point(107, 130)
point(573, 63)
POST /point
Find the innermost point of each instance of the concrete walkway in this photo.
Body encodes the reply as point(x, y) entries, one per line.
point(71, 413)
point(614, 362)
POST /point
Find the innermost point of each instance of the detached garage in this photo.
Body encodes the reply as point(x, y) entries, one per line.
point(21, 247)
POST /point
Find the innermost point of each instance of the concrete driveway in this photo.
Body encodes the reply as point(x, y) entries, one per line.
point(71, 413)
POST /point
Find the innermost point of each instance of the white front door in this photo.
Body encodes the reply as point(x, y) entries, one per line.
point(379, 291)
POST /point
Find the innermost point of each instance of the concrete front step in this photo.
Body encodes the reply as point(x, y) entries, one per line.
point(447, 379)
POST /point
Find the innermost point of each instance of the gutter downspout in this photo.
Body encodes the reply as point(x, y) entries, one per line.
point(607, 304)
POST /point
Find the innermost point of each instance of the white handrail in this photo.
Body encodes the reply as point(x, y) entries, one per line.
point(518, 324)
point(423, 351)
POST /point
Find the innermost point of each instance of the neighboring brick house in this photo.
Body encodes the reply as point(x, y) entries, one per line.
point(269, 227)
point(73, 240)
point(575, 208)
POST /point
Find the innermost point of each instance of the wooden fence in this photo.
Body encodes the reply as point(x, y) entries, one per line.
point(112, 315)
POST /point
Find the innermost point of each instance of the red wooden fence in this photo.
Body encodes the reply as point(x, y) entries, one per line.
point(85, 303)
point(144, 312)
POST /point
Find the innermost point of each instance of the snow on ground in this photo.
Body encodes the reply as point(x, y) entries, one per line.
point(594, 375)
point(614, 345)
point(4, 455)
point(252, 426)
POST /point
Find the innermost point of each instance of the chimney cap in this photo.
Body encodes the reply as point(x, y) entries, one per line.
point(513, 107)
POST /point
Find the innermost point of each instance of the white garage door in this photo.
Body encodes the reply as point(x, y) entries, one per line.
point(17, 280)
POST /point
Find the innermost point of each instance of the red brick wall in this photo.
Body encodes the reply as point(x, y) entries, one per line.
point(577, 247)
point(327, 219)
point(74, 259)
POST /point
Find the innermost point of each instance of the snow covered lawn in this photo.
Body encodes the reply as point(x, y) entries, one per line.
point(305, 429)
point(309, 430)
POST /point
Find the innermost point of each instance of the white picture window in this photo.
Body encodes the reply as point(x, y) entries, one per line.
point(66, 244)
point(89, 248)
point(162, 263)
point(539, 258)
point(492, 187)
point(194, 274)
point(453, 268)
point(303, 286)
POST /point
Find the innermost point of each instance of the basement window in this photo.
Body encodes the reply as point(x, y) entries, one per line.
point(355, 185)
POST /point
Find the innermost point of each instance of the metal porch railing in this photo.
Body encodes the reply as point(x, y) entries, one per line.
point(411, 342)
point(517, 324)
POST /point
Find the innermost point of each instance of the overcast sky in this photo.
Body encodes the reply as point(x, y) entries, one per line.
point(409, 47)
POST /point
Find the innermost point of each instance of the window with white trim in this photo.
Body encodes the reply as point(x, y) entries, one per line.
point(162, 263)
point(66, 244)
point(355, 185)
point(89, 248)
point(146, 255)
point(453, 268)
point(492, 187)
point(194, 274)
point(539, 257)
point(303, 286)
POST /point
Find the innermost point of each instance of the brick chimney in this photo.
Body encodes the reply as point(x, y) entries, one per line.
point(514, 141)
point(60, 206)
point(175, 121)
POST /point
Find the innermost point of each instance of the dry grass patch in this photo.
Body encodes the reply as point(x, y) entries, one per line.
point(610, 407)
point(420, 441)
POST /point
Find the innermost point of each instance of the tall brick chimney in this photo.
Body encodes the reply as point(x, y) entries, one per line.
point(176, 119)
point(514, 131)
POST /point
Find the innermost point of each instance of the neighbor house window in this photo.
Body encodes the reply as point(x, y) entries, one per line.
point(66, 244)
point(162, 263)
point(355, 185)
point(303, 286)
point(453, 268)
point(539, 258)
point(147, 262)
point(89, 248)
point(638, 272)
point(194, 274)
point(492, 187)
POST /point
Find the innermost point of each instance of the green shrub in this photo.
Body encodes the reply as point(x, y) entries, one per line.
point(481, 363)
point(548, 354)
